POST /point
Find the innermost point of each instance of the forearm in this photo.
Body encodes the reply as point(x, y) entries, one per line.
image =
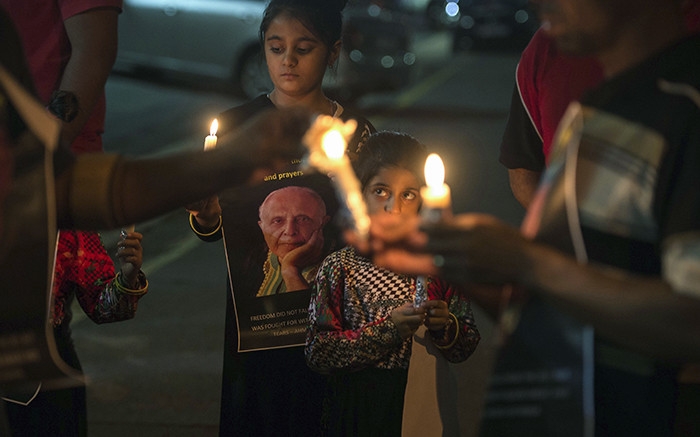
point(93, 38)
point(116, 301)
point(106, 191)
point(523, 184)
point(641, 313)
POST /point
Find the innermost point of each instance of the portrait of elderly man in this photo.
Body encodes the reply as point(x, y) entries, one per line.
point(292, 220)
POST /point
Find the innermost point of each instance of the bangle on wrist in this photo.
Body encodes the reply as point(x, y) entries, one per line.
point(195, 227)
point(452, 321)
point(123, 288)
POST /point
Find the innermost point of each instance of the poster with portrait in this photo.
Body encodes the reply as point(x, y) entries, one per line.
point(276, 235)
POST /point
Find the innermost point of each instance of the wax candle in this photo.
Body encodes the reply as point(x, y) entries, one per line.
point(436, 195)
point(210, 140)
point(326, 140)
point(436, 207)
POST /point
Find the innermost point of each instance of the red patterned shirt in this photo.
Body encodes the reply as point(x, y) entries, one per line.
point(85, 270)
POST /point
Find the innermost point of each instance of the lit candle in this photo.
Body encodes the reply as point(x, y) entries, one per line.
point(436, 195)
point(326, 140)
point(436, 207)
point(210, 140)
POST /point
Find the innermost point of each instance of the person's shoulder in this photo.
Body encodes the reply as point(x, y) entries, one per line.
point(237, 115)
point(539, 51)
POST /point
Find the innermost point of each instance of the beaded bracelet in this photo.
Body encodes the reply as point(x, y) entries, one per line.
point(453, 320)
point(202, 234)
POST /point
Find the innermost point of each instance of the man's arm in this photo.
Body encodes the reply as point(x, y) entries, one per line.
point(93, 38)
point(643, 313)
point(523, 184)
point(521, 152)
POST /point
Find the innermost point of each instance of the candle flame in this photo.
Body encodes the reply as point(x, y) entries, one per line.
point(214, 127)
point(333, 144)
point(434, 171)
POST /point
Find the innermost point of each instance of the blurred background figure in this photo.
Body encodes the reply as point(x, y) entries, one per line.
point(70, 48)
point(84, 271)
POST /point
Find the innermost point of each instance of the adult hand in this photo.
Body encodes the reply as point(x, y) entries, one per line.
point(307, 254)
point(407, 319)
point(130, 254)
point(270, 140)
point(299, 258)
point(471, 248)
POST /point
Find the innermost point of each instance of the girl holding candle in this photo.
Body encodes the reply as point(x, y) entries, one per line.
point(362, 317)
point(301, 39)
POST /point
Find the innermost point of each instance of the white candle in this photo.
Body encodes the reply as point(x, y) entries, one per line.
point(436, 206)
point(326, 140)
point(210, 140)
point(436, 195)
point(346, 183)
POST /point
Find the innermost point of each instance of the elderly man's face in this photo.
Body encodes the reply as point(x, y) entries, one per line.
point(289, 218)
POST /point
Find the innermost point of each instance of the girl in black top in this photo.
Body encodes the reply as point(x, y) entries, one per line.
point(272, 392)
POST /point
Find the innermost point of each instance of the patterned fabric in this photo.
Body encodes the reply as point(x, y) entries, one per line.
point(350, 326)
point(85, 271)
point(635, 173)
point(621, 190)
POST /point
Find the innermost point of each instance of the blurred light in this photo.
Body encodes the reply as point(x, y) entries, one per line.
point(522, 16)
point(466, 22)
point(355, 55)
point(387, 61)
point(333, 144)
point(374, 10)
point(452, 9)
point(409, 58)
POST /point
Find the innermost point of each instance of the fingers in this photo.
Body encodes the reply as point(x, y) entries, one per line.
point(407, 319)
point(436, 314)
point(129, 249)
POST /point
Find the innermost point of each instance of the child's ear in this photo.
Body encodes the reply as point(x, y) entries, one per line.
point(334, 53)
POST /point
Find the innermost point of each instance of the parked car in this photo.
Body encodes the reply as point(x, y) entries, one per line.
point(479, 23)
point(217, 41)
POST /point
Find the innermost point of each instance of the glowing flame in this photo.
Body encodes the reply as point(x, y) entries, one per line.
point(434, 172)
point(333, 144)
point(214, 127)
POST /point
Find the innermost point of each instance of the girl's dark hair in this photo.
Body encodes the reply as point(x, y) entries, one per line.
point(324, 18)
point(390, 149)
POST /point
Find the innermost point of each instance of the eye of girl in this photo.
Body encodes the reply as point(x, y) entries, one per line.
point(380, 192)
point(409, 195)
point(303, 50)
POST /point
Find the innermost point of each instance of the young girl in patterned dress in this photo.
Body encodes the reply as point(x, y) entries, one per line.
point(362, 317)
